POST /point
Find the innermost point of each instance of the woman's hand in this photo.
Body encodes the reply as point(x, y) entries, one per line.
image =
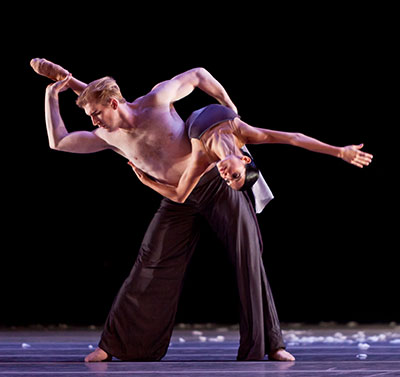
point(353, 155)
point(139, 173)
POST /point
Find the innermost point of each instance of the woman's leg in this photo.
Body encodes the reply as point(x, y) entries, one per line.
point(55, 72)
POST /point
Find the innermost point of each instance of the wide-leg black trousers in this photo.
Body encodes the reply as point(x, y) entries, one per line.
point(140, 323)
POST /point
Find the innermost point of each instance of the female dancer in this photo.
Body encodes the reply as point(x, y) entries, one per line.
point(217, 135)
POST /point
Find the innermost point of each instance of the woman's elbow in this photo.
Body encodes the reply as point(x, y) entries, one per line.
point(176, 199)
point(296, 138)
point(179, 199)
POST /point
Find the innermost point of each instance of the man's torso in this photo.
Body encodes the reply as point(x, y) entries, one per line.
point(158, 145)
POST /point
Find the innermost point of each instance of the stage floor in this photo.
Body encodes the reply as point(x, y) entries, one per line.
point(326, 350)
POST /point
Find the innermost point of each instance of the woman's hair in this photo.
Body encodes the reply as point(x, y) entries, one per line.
point(252, 174)
point(100, 91)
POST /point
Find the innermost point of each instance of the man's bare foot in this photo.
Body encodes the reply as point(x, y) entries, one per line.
point(281, 355)
point(98, 355)
point(46, 68)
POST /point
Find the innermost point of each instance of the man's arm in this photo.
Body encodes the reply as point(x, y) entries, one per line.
point(59, 138)
point(182, 85)
point(253, 135)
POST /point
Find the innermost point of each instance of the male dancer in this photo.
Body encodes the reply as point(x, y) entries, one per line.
point(150, 133)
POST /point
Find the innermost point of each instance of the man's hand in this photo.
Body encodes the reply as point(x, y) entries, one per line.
point(231, 106)
point(59, 86)
point(353, 155)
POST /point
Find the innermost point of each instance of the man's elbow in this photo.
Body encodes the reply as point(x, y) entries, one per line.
point(53, 145)
point(201, 72)
point(56, 145)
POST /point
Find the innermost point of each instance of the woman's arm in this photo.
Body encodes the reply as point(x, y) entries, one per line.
point(188, 181)
point(253, 135)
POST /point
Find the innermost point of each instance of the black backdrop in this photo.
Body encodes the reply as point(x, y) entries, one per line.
point(73, 223)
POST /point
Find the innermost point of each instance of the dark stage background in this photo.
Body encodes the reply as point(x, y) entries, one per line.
point(73, 223)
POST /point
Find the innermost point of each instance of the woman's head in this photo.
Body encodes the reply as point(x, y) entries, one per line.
point(239, 172)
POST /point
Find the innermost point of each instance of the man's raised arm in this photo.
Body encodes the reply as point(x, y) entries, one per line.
point(183, 84)
point(59, 138)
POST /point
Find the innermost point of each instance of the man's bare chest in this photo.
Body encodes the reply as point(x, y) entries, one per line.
point(151, 138)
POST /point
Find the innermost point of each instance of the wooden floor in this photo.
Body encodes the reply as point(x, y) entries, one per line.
point(207, 351)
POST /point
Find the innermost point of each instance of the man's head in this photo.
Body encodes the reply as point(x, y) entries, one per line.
point(100, 99)
point(239, 172)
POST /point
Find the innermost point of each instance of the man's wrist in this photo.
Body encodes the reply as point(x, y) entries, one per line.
point(51, 93)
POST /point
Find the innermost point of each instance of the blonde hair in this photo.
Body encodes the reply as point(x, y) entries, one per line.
point(100, 91)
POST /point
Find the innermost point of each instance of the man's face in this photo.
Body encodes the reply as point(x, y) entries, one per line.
point(233, 171)
point(104, 116)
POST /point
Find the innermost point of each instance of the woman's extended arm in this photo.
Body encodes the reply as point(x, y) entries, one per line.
point(351, 153)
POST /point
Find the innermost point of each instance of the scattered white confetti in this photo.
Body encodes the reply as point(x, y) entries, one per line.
point(202, 338)
point(363, 346)
point(395, 341)
point(377, 338)
point(218, 339)
point(25, 345)
point(359, 336)
point(362, 356)
point(339, 335)
point(196, 332)
point(90, 347)
point(181, 340)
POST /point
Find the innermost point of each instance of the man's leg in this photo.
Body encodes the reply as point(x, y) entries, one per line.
point(140, 323)
point(232, 216)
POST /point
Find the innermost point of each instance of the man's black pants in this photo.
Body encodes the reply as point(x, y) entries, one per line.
point(140, 323)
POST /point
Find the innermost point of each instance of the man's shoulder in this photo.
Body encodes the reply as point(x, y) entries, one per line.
point(151, 101)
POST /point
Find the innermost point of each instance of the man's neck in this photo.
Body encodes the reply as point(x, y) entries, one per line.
point(128, 117)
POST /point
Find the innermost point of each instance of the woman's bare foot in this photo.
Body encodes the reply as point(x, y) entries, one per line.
point(281, 355)
point(98, 355)
point(46, 68)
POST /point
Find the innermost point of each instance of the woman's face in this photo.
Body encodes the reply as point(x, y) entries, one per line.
point(233, 170)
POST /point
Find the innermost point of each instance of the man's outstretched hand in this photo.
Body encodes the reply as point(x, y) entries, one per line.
point(59, 86)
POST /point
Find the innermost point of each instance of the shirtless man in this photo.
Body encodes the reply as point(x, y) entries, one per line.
point(150, 133)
